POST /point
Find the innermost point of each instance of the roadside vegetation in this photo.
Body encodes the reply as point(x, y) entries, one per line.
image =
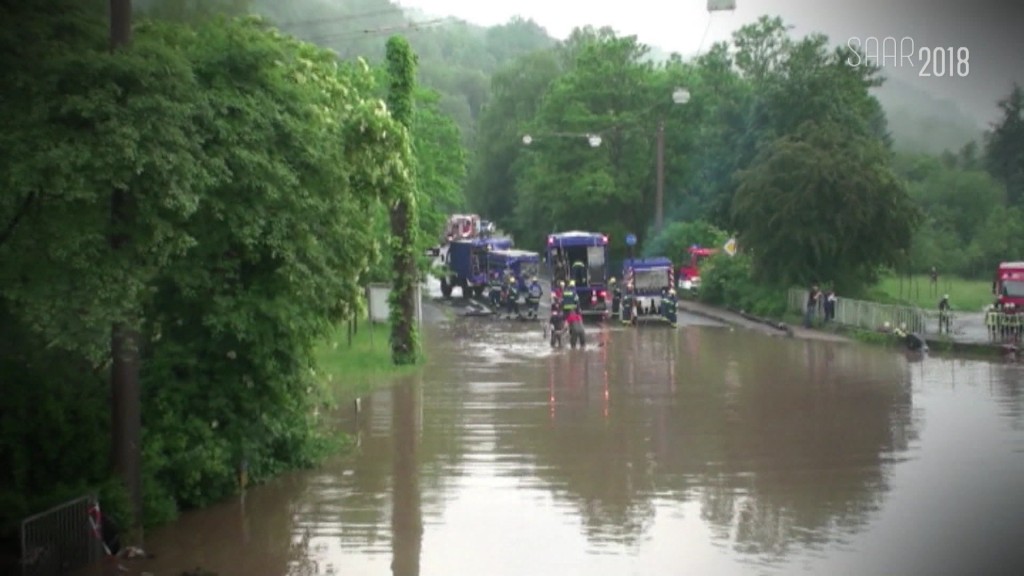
point(917, 290)
point(352, 364)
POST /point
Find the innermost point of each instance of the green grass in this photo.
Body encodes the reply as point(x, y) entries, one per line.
point(353, 370)
point(965, 295)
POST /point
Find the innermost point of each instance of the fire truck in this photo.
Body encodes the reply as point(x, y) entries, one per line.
point(459, 227)
point(1008, 286)
point(689, 275)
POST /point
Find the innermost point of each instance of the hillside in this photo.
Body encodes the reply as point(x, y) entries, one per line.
point(920, 122)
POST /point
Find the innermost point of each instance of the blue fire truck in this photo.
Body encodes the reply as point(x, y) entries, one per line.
point(582, 257)
point(645, 281)
point(466, 265)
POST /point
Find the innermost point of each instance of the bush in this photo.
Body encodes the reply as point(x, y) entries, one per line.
point(676, 238)
point(728, 281)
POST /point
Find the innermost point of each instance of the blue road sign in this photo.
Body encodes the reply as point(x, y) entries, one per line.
point(630, 239)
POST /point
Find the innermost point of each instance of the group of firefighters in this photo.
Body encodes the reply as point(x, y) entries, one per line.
point(566, 318)
point(1004, 322)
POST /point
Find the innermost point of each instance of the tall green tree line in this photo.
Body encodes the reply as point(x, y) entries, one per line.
point(253, 165)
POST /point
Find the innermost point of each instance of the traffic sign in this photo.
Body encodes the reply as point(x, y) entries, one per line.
point(630, 239)
point(730, 247)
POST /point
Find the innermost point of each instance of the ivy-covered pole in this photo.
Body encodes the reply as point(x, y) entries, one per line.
point(404, 341)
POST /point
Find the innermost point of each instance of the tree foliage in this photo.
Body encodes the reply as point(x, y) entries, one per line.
point(822, 204)
point(251, 161)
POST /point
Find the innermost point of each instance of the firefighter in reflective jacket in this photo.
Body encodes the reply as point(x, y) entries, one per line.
point(533, 296)
point(670, 307)
point(557, 293)
point(494, 290)
point(616, 296)
point(570, 299)
point(512, 298)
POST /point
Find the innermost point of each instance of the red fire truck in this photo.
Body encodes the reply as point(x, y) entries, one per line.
point(1008, 286)
point(689, 275)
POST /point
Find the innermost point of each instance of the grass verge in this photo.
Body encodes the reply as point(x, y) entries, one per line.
point(972, 295)
point(354, 368)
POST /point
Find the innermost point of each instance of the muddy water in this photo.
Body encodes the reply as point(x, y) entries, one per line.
point(701, 450)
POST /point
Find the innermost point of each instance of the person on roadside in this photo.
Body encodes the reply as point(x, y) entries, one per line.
point(577, 336)
point(945, 314)
point(813, 299)
point(579, 273)
point(830, 305)
point(494, 291)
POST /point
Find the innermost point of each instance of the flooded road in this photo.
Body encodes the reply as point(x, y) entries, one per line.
point(702, 450)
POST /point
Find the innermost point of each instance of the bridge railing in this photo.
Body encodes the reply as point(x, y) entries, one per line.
point(866, 315)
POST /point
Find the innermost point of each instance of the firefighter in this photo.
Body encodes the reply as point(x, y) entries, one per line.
point(570, 299)
point(557, 327)
point(533, 295)
point(494, 291)
point(669, 307)
point(577, 335)
point(557, 293)
point(945, 314)
point(512, 298)
point(992, 321)
point(579, 273)
point(616, 296)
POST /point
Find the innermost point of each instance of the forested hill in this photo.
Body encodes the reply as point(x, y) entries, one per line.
point(920, 122)
point(457, 59)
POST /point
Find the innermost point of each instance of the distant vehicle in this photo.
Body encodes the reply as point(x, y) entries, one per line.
point(590, 249)
point(521, 264)
point(1008, 286)
point(689, 275)
point(651, 278)
point(458, 227)
point(466, 265)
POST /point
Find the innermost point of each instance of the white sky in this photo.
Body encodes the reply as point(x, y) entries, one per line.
point(994, 37)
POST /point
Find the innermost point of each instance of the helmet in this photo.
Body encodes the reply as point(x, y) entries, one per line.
point(572, 283)
point(533, 279)
point(561, 283)
point(671, 292)
point(612, 281)
point(945, 296)
point(511, 279)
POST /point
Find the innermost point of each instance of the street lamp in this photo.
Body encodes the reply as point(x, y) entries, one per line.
point(679, 96)
point(593, 139)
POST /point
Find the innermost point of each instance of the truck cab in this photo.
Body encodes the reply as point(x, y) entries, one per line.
point(466, 265)
point(582, 257)
point(689, 275)
point(1008, 286)
point(458, 227)
point(650, 279)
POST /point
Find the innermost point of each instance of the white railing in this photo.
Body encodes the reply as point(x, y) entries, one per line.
point(867, 315)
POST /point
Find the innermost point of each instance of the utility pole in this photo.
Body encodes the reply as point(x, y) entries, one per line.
point(659, 207)
point(126, 402)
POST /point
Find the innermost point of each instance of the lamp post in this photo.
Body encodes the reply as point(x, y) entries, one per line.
point(594, 140)
point(679, 96)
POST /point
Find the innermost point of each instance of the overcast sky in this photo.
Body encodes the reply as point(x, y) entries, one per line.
point(991, 30)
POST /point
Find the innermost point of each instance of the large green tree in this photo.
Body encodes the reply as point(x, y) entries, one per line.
point(1004, 147)
point(823, 204)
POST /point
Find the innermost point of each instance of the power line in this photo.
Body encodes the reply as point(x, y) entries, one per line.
point(351, 34)
point(342, 18)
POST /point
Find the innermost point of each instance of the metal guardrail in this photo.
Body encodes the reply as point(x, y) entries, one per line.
point(60, 540)
point(863, 314)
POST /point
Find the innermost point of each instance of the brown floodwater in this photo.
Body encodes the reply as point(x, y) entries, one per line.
point(702, 450)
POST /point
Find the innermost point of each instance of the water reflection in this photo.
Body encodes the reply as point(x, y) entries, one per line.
point(505, 457)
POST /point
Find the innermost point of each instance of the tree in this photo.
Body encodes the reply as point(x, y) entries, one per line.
point(402, 201)
point(823, 204)
point(1004, 146)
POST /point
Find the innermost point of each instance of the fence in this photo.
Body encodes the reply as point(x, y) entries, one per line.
point(60, 540)
point(867, 315)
